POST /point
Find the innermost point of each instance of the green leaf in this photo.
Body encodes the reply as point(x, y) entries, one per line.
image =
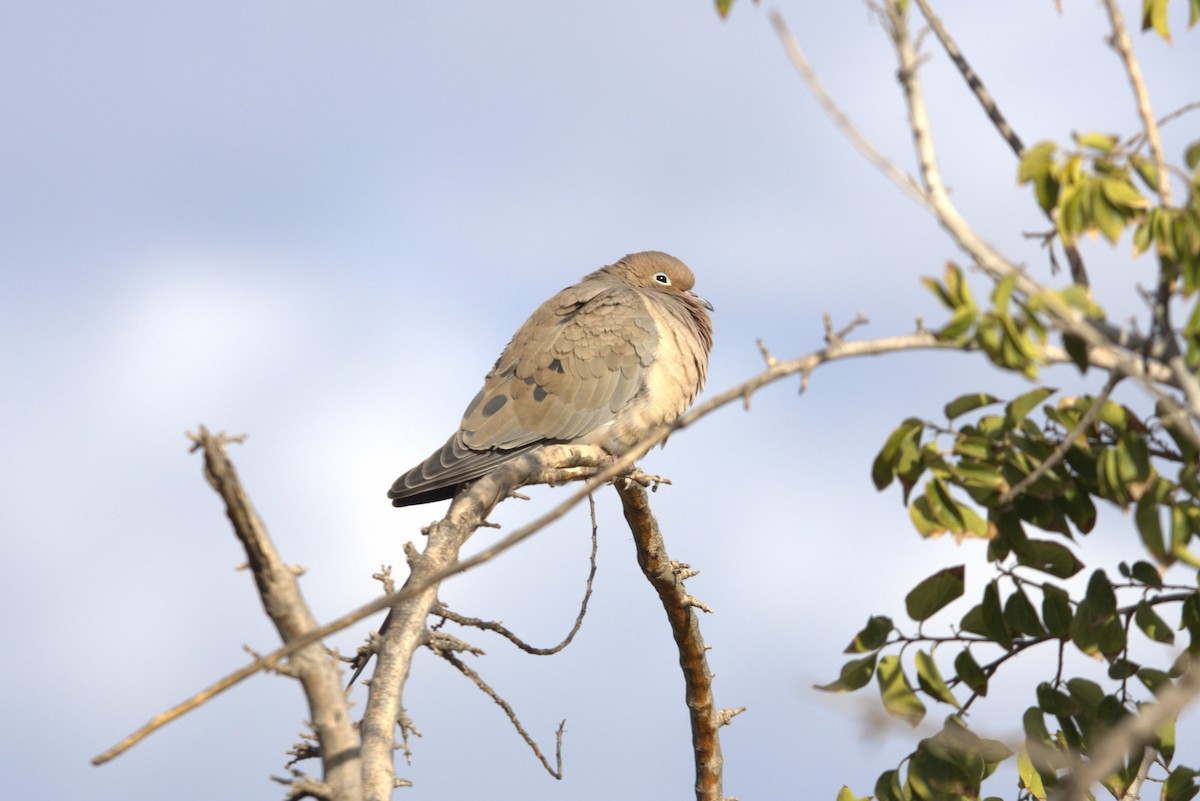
point(723, 7)
point(1036, 161)
point(898, 697)
point(1056, 610)
point(1146, 170)
point(1053, 701)
point(1165, 741)
point(1021, 616)
point(1107, 218)
point(1097, 141)
point(970, 672)
point(922, 515)
point(1122, 669)
point(1154, 626)
point(993, 617)
point(872, 637)
point(855, 674)
point(1088, 694)
point(846, 795)
point(1100, 594)
point(883, 469)
point(887, 787)
point(1049, 557)
point(1155, 680)
point(931, 681)
point(944, 586)
point(1082, 633)
point(1034, 725)
point(1154, 15)
point(1031, 780)
point(968, 403)
point(1020, 407)
point(1122, 194)
point(1149, 524)
point(1077, 349)
point(1192, 154)
point(1180, 785)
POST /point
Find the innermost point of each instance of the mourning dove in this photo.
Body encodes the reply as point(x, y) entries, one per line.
point(603, 363)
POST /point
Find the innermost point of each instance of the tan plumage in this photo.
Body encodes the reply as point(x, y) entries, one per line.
point(602, 363)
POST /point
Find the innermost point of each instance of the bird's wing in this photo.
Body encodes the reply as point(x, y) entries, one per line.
point(568, 373)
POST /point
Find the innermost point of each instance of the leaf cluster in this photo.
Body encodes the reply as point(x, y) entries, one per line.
point(1026, 476)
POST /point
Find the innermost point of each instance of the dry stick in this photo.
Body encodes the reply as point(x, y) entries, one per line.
point(474, 676)
point(1124, 46)
point(283, 602)
point(1078, 270)
point(900, 178)
point(973, 81)
point(1105, 359)
point(666, 578)
point(499, 628)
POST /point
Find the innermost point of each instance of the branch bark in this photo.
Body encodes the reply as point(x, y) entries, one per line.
point(667, 578)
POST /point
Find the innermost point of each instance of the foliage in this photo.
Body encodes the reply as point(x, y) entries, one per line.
point(1027, 475)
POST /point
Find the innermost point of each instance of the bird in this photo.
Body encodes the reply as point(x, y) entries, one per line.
point(603, 362)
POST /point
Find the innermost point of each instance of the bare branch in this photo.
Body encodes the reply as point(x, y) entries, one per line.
point(666, 578)
point(466, 670)
point(906, 182)
point(973, 80)
point(975, 84)
point(499, 628)
point(1124, 46)
point(283, 602)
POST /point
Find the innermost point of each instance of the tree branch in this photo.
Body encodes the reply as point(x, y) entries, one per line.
point(973, 80)
point(283, 602)
point(532, 466)
point(1124, 46)
point(975, 84)
point(667, 579)
point(906, 182)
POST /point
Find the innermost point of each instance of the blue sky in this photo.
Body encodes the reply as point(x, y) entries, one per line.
point(319, 223)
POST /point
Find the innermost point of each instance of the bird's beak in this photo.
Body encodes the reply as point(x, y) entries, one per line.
point(703, 302)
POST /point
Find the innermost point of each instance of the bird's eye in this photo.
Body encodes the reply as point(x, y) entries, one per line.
point(662, 278)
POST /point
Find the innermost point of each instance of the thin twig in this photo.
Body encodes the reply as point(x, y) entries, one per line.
point(973, 80)
point(1060, 451)
point(502, 630)
point(1124, 46)
point(466, 670)
point(975, 84)
point(900, 178)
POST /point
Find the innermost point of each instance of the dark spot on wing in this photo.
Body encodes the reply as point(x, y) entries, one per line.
point(494, 405)
point(540, 394)
point(556, 366)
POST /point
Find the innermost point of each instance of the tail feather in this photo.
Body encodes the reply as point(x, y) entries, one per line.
point(441, 475)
